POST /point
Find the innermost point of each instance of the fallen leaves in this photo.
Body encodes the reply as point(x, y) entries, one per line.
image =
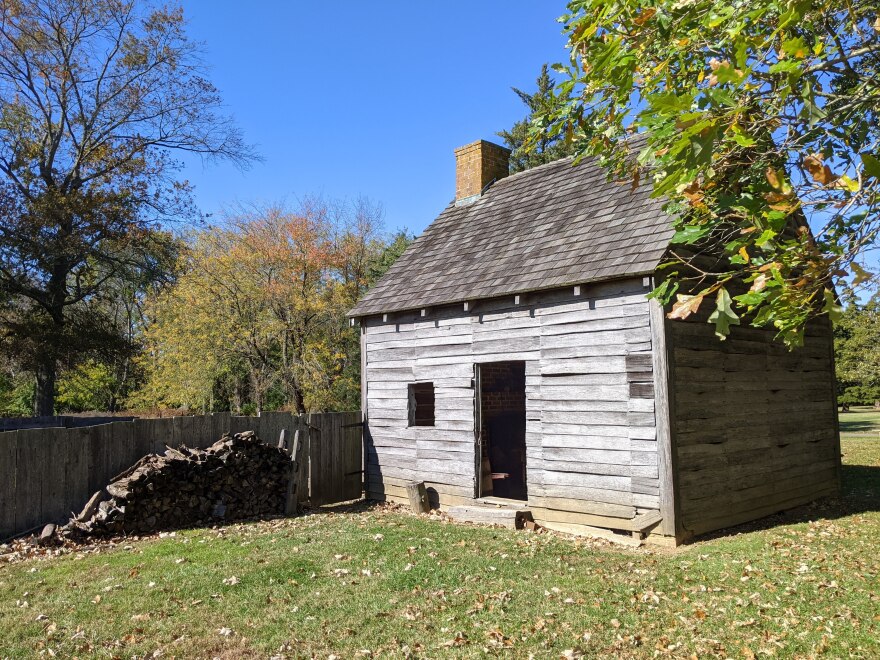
point(459, 640)
point(571, 596)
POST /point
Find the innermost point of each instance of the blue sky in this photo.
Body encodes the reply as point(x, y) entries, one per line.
point(366, 98)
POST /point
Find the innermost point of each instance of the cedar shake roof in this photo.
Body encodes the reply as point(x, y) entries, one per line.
point(551, 226)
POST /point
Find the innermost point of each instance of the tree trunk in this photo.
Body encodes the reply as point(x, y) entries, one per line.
point(299, 402)
point(44, 396)
point(47, 365)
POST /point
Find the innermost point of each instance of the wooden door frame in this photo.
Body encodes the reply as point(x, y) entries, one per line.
point(478, 431)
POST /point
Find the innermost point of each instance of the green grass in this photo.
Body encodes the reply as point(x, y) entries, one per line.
point(374, 579)
point(860, 421)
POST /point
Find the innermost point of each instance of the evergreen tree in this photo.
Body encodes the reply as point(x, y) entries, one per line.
point(546, 147)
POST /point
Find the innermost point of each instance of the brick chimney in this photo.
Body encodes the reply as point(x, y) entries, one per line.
point(477, 165)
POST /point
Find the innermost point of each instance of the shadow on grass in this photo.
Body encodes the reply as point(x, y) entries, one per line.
point(858, 426)
point(353, 506)
point(860, 493)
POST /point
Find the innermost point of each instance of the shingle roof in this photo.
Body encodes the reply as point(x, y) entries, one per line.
point(550, 226)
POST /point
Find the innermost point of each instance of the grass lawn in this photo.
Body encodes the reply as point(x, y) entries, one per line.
point(860, 421)
point(375, 581)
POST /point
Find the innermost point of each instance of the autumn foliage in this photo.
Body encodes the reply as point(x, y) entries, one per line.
point(257, 319)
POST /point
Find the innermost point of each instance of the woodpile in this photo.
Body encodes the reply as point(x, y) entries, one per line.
point(237, 477)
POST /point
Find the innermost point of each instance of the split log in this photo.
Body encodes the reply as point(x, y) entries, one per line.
point(47, 535)
point(237, 477)
point(418, 497)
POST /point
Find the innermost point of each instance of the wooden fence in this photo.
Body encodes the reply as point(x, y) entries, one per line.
point(46, 474)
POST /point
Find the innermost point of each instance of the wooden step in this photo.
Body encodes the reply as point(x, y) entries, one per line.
point(489, 514)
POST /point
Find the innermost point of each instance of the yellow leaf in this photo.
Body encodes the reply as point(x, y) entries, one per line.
point(744, 254)
point(773, 178)
point(846, 183)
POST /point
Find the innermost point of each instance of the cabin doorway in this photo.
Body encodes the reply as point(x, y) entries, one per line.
point(501, 430)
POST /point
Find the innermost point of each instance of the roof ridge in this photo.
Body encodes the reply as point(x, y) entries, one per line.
point(566, 224)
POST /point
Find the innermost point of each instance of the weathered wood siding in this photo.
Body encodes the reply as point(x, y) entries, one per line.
point(590, 432)
point(755, 426)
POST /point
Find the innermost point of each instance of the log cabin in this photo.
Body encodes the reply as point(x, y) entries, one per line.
point(511, 360)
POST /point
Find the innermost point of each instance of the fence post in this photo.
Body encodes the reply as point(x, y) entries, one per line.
point(290, 505)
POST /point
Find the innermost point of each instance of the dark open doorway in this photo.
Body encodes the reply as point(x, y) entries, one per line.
point(501, 413)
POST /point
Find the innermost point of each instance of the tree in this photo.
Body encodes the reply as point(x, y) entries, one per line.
point(16, 392)
point(547, 147)
point(95, 97)
point(754, 117)
point(857, 353)
point(258, 313)
point(91, 385)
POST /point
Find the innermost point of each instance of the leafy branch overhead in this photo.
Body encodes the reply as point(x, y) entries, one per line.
point(758, 119)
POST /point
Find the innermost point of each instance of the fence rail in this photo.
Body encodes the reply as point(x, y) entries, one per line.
point(59, 421)
point(48, 473)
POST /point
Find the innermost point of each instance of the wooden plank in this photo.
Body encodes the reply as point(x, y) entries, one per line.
point(769, 499)
point(291, 504)
point(583, 455)
point(98, 456)
point(318, 460)
point(504, 516)
point(544, 515)
point(645, 520)
point(662, 368)
point(335, 464)
point(354, 463)
point(304, 478)
point(581, 468)
point(405, 474)
point(582, 506)
point(588, 530)
point(121, 450)
point(8, 500)
point(30, 455)
point(221, 423)
point(56, 448)
point(557, 437)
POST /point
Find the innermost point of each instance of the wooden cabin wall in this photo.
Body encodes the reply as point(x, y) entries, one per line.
point(590, 432)
point(755, 425)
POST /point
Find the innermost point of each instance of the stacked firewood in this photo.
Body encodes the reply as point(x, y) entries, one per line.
point(236, 477)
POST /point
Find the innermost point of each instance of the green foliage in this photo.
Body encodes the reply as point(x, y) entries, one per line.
point(857, 353)
point(546, 148)
point(95, 97)
point(88, 386)
point(752, 118)
point(16, 395)
point(391, 253)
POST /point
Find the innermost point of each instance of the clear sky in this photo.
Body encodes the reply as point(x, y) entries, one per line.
point(366, 98)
